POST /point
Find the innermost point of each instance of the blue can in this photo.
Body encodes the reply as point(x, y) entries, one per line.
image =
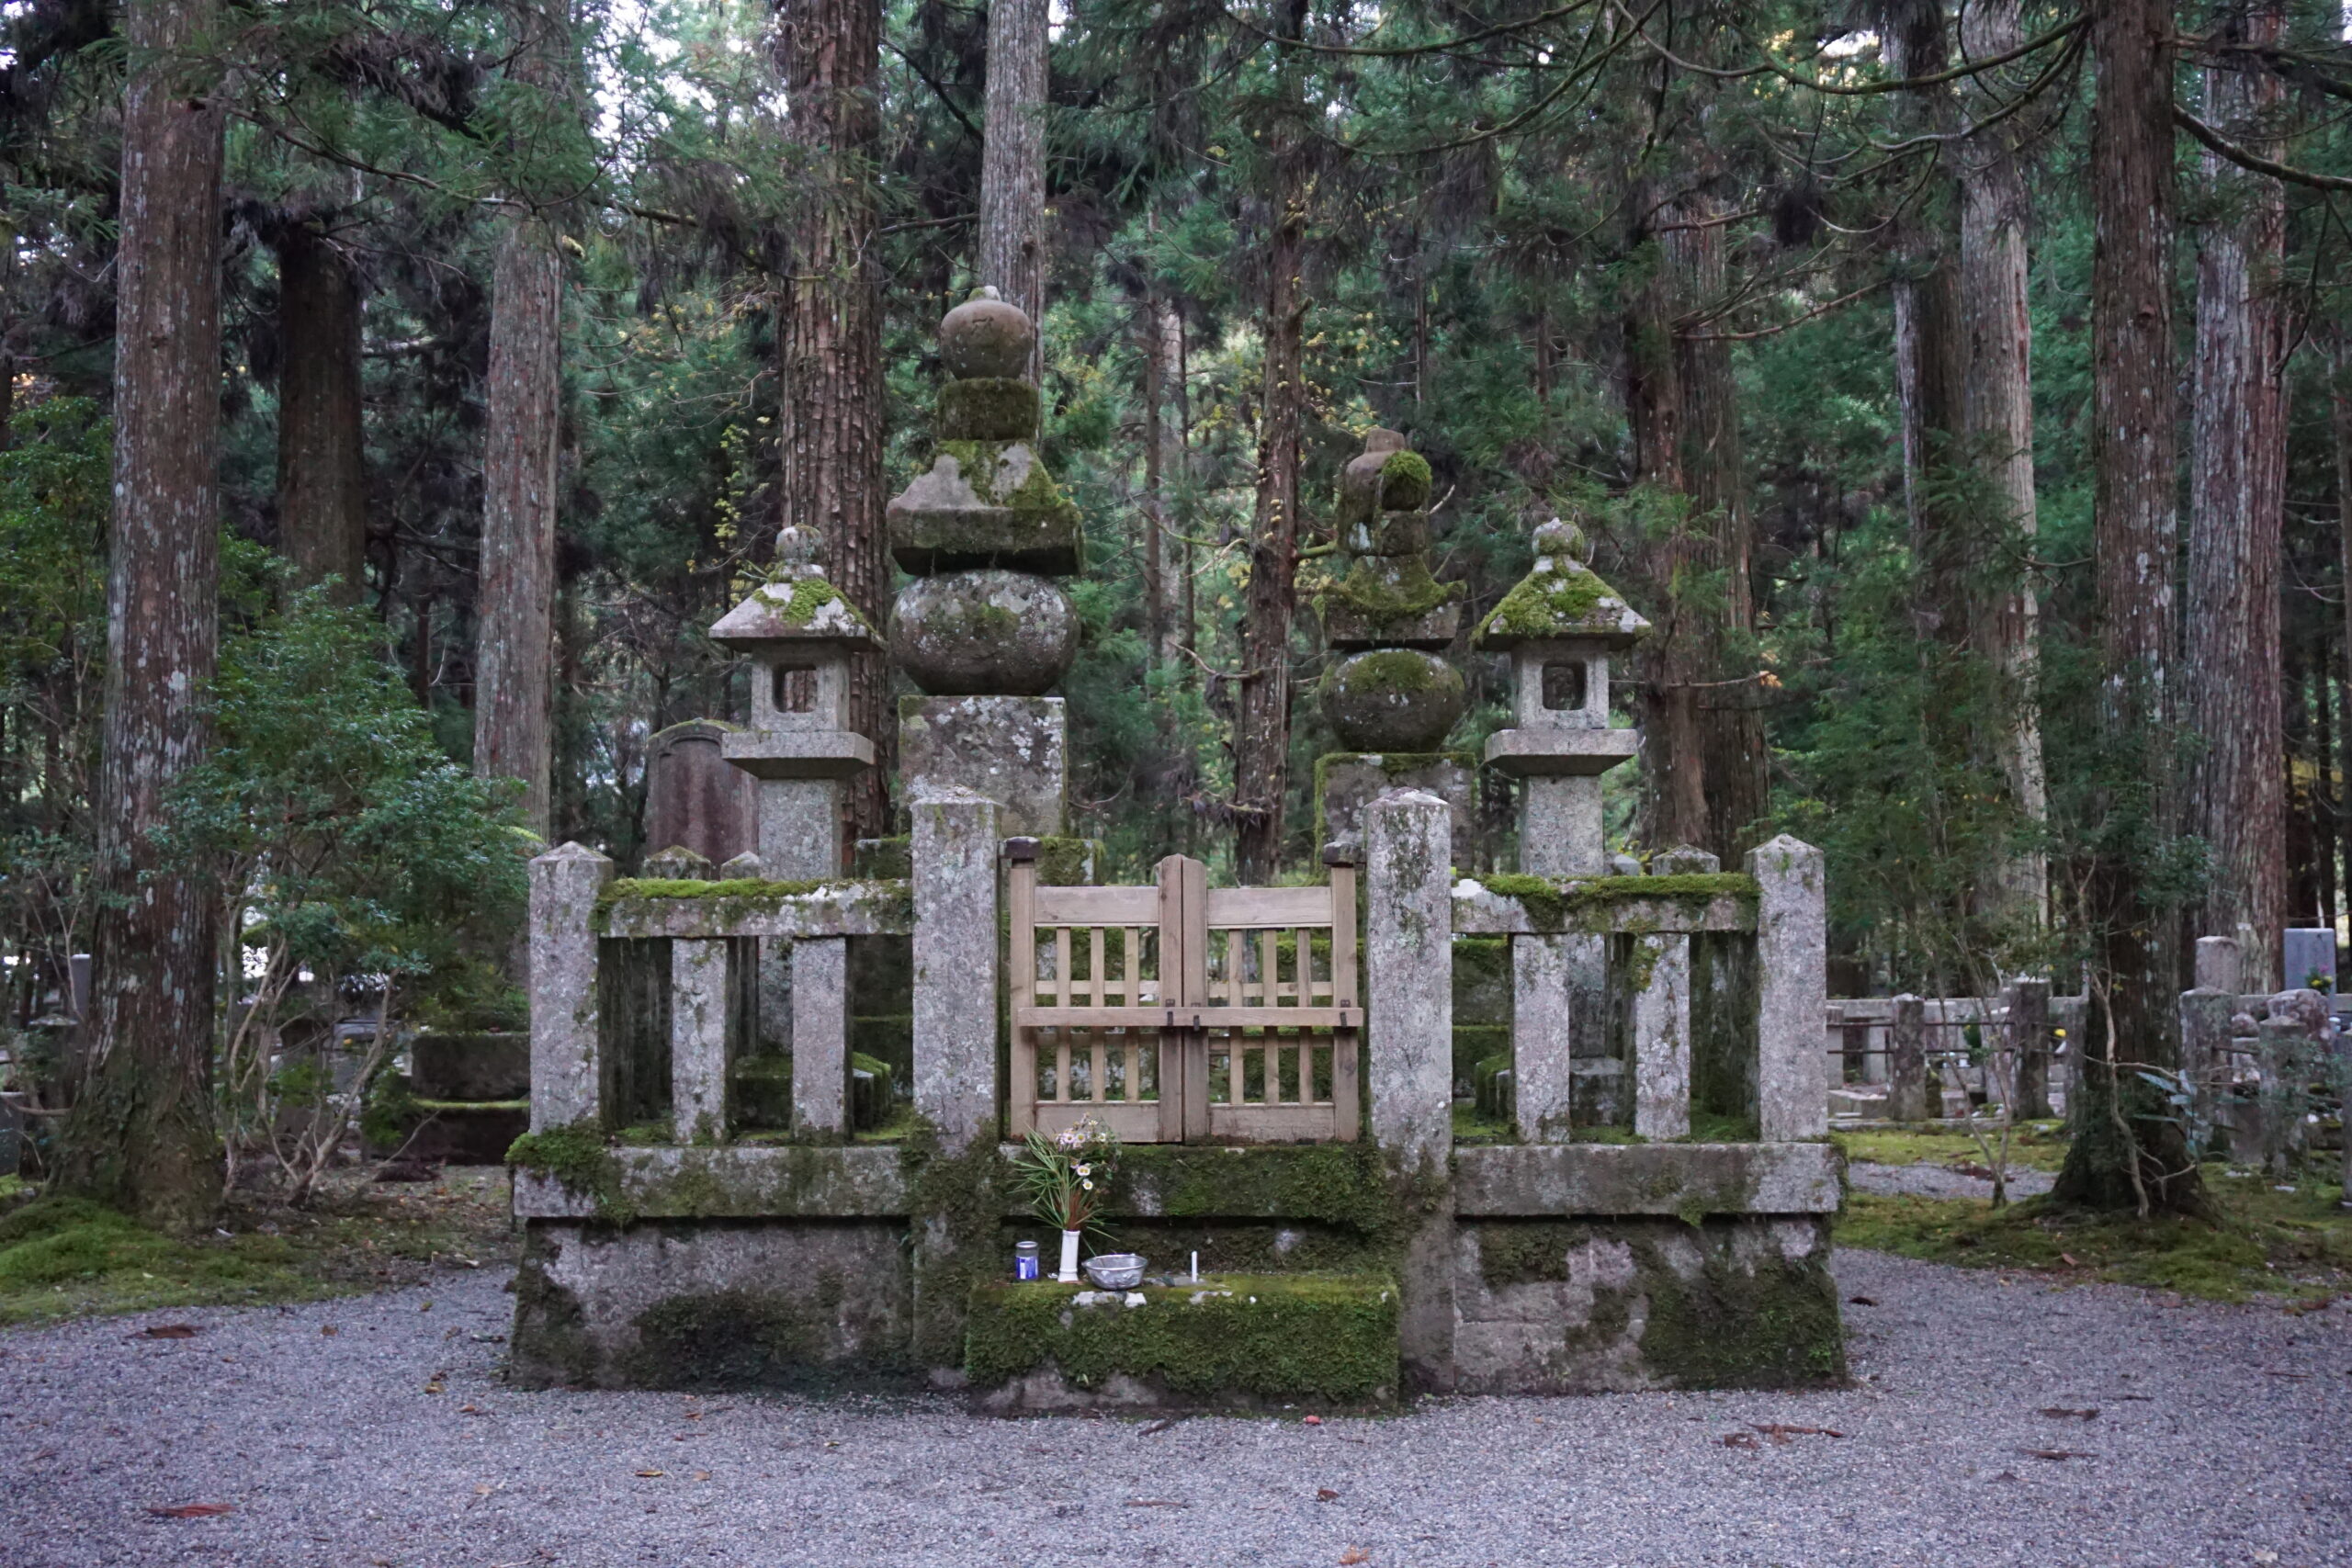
point(1025, 1260)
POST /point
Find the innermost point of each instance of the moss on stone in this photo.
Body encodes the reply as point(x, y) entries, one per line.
point(1335, 1184)
point(987, 408)
point(1400, 670)
point(1589, 903)
point(1527, 1252)
point(765, 1340)
point(1571, 600)
point(579, 1157)
point(1317, 1339)
point(956, 1204)
point(809, 595)
point(1772, 1325)
point(1067, 861)
point(1387, 589)
point(1405, 481)
point(740, 898)
point(551, 1343)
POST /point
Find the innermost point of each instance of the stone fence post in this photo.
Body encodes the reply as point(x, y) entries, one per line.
point(955, 979)
point(1910, 1096)
point(2205, 1013)
point(566, 1061)
point(2029, 1027)
point(1408, 1039)
point(1792, 990)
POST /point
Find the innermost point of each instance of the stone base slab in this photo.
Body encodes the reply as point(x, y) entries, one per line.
point(1346, 783)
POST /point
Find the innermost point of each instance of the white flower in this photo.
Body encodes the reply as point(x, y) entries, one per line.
point(1083, 1169)
point(1088, 1185)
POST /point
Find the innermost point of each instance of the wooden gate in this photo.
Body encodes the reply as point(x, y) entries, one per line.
point(1177, 1011)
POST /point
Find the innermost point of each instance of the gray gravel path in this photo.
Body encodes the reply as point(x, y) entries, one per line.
point(1941, 1181)
point(2222, 1436)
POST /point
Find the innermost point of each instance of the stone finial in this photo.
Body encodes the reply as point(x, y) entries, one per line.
point(1388, 614)
point(745, 867)
point(1557, 538)
point(800, 552)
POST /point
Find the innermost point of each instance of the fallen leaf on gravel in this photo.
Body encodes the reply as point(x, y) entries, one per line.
point(1355, 1554)
point(1159, 1426)
point(2057, 1454)
point(649, 1474)
point(1781, 1434)
point(328, 1329)
point(2059, 1412)
point(435, 1386)
point(470, 1410)
point(1740, 1440)
point(1863, 1300)
point(1315, 1420)
point(1325, 1495)
point(168, 1331)
point(2068, 1259)
point(192, 1511)
point(1155, 1503)
point(702, 1475)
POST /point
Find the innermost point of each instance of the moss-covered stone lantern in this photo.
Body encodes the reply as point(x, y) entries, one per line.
point(801, 632)
point(1560, 624)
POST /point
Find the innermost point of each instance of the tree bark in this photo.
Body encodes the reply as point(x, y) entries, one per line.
point(1998, 391)
point(2340, 425)
point(2236, 508)
point(1261, 733)
point(515, 653)
point(1012, 164)
point(829, 339)
point(141, 1131)
point(321, 480)
point(1262, 743)
point(2124, 1155)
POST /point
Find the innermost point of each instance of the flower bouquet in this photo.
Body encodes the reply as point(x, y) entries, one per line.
point(1067, 1179)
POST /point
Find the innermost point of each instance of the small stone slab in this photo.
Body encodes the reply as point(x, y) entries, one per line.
point(1686, 1179)
point(798, 753)
point(1234, 1340)
point(1535, 753)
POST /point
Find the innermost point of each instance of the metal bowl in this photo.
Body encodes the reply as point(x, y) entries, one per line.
point(1115, 1271)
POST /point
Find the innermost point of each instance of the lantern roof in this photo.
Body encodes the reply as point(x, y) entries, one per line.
point(1561, 598)
point(796, 606)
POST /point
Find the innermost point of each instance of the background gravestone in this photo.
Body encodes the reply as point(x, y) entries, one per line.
point(694, 798)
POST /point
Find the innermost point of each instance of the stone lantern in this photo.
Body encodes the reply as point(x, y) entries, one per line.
point(1560, 625)
point(801, 632)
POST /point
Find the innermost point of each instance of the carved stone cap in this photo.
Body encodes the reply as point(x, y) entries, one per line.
point(1560, 598)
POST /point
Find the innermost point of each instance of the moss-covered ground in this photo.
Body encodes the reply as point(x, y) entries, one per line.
point(2034, 1145)
point(65, 1258)
point(2264, 1242)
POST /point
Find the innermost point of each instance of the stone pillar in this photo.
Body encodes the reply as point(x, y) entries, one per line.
point(1560, 826)
point(2029, 1048)
point(1559, 984)
point(698, 1039)
point(566, 1061)
point(1910, 1096)
point(956, 964)
point(800, 829)
point(820, 1037)
point(1792, 990)
point(1662, 1036)
point(1409, 1040)
point(2205, 1013)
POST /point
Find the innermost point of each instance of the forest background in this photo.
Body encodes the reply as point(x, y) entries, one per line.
point(405, 388)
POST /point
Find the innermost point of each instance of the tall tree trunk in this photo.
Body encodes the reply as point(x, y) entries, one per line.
point(515, 653)
point(1261, 741)
point(2340, 426)
point(322, 480)
point(2236, 507)
point(1730, 725)
point(1012, 164)
point(141, 1131)
point(1998, 391)
point(2124, 1152)
point(829, 340)
point(1158, 624)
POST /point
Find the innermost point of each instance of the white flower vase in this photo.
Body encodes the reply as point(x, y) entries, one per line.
point(1068, 1276)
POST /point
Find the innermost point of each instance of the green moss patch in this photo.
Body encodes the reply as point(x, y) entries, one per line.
point(1334, 1184)
point(1405, 481)
point(579, 1157)
point(1387, 588)
point(2297, 1245)
point(1573, 602)
point(1241, 1339)
point(2032, 1147)
point(809, 595)
point(1771, 1324)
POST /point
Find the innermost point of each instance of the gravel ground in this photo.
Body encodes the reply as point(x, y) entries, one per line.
point(1942, 1182)
point(376, 1431)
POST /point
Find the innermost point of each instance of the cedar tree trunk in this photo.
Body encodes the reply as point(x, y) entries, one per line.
point(1012, 164)
point(322, 483)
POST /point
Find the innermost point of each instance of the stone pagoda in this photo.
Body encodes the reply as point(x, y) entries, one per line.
point(1390, 695)
point(983, 630)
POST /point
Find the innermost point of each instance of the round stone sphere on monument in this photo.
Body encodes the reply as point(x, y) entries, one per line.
point(986, 337)
point(987, 633)
point(1393, 699)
